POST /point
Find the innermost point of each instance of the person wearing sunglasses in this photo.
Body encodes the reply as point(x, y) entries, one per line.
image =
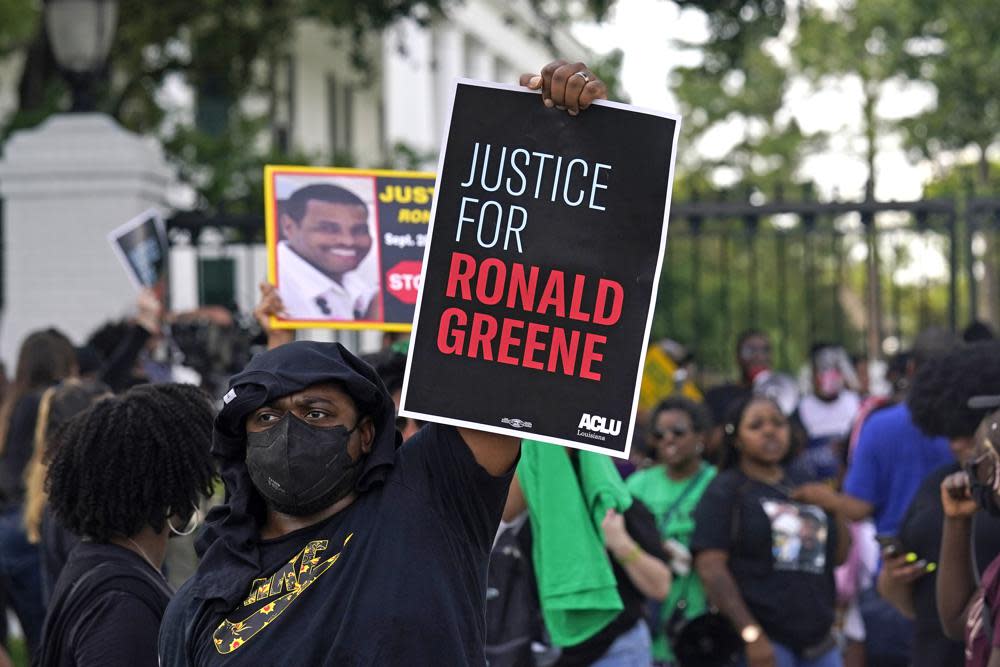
point(671, 490)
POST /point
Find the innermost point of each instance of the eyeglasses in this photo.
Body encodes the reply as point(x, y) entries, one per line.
point(677, 431)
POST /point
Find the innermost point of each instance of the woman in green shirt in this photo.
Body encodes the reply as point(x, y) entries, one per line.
point(671, 490)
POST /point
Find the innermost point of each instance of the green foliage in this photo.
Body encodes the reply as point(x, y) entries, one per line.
point(964, 180)
point(18, 21)
point(226, 51)
point(956, 49)
point(608, 69)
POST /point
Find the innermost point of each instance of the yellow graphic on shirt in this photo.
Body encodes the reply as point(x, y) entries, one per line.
point(295, 577)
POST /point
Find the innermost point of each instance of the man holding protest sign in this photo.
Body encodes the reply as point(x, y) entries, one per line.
point(396, 540)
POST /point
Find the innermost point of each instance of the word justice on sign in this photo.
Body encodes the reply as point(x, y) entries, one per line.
point(546, 348)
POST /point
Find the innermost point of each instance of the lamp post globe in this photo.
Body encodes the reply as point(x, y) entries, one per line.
point(80, 33)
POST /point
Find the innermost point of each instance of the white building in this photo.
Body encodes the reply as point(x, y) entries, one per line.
point(326, 107)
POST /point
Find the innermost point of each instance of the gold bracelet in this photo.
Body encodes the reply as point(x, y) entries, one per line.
point(631, 557)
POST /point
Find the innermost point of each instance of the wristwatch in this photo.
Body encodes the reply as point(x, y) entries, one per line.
point(750, 633)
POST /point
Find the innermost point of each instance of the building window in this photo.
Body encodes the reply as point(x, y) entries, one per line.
point(283, 104)
point(340, 110)
point(217, 282)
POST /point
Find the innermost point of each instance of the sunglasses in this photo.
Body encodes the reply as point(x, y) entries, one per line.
point(677, 431)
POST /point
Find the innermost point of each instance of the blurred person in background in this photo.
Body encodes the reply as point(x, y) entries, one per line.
point(45, 358)
point(58, 405)
point(597, 556)
point(671, 490)
point(753, 357)
point(967, 605)
point(765, 546)
point(124, 475)
point(828, 413)
point(939, 401)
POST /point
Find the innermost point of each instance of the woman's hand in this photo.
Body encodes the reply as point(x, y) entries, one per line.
point(760, 653)
point(956, 497)
point(565, 86)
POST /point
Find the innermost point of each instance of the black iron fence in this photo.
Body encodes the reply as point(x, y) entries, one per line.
point(867, 275)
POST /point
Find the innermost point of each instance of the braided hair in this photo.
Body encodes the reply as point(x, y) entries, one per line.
point(132, 460)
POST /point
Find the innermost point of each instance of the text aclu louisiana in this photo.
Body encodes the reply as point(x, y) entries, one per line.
point(515, 341)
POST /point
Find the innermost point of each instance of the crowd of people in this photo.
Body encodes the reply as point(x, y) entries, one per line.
point(776, 523)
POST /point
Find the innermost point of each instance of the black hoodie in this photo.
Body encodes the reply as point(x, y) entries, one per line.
point(398, 577)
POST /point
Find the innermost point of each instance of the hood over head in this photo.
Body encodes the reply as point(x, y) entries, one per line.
point(228, 543)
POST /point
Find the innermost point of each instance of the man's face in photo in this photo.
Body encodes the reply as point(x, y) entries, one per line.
point(332, 237)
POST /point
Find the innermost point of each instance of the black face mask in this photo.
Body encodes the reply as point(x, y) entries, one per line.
point(300, 469)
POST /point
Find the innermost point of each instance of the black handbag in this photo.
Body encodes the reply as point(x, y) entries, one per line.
point(707, 640)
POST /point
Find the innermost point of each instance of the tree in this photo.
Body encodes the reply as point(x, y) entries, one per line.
point(226, 51)
point(956, 49)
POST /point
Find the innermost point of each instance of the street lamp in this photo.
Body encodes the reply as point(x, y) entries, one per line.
point(81, 32)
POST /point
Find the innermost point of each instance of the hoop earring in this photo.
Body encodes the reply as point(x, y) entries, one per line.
point(192, 525)
point(699, 448)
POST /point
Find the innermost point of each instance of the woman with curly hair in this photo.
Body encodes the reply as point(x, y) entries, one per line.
point(124, 474)
point(58, 405)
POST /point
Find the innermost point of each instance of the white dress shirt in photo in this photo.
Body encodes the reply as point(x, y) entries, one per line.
point(309, 294)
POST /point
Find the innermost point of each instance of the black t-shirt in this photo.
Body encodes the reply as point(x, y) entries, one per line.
point(57, 544)
point(781, 554)
point(920, 532)
point(641, 527)
point(398, 577)
point(105, 610)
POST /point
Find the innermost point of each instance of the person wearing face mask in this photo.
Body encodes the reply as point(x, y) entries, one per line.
point(336, 546)
point(671, 490)
point(125, 474)
point(765, 545)
point(939, 401)
point(828, 413)
point(753, 358)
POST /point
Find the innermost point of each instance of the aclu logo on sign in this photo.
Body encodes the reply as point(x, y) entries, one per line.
point(515, 422)
point(592, 426)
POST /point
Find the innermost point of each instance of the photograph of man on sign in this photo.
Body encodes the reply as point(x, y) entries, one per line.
point(326, 236)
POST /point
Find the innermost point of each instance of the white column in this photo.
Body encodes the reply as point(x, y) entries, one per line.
point(65, 185)
point(449, 58)
point(408, 86)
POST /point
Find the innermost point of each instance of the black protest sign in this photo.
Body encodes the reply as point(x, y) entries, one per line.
point(141, 246)
point(346, 246)
point(547, 237)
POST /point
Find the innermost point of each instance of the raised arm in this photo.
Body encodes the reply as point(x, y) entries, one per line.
point(956, 584)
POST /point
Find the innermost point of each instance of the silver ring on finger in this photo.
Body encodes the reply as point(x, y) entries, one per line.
point(582, 75)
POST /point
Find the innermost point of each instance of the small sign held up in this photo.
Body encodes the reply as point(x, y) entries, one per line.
point(141, 246)
point(346, 246)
